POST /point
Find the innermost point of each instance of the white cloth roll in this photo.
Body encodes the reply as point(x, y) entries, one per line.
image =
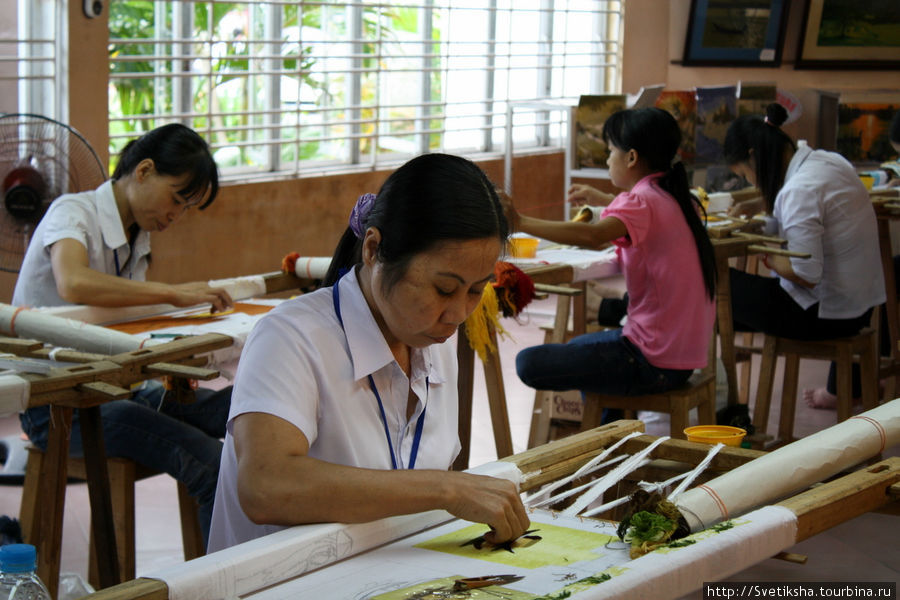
point(240, 570)
point(32, 324)
point(792, 468)
point(312, 267)
point(676, 572)
point(14, 393)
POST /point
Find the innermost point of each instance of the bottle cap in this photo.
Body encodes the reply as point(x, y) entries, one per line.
point(17, 558)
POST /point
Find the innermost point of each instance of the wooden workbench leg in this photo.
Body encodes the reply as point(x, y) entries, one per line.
point(891, 305)
point(788, 398)
point(466, 359)
point(844, 383)
point(539, 432)
point(725, 322)
point(102, 525)
point(706, 412)
point(764, 387)
point(579, 309)
point(32, 492)
point(54, 471)
point(493, 378)
point(868, 374)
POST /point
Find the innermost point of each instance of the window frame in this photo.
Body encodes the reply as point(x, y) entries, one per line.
point(547, 129)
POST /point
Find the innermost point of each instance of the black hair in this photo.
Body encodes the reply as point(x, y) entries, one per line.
point(174, 150)
point(431, 198)
point(767, 143)
point(894, 130)
point(654, 134)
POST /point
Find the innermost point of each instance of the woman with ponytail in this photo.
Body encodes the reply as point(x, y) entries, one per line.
point(345, 399)
point(668, 263)
point(818, 204)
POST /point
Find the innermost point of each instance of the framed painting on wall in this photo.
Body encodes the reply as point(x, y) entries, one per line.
point(850, 34)
point(745, 33)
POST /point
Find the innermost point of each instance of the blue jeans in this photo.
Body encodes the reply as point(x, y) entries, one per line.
point(182, 440)
point(604, 362)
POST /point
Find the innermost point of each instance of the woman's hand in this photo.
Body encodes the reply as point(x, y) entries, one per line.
point(580, 193)
point(747, 208)
point(489, 500)
point(199, 292)
point(781, 265)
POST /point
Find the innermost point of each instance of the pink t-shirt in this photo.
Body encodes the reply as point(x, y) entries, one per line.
point(670, 315)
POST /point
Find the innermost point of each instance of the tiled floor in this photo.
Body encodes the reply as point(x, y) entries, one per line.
point(864, 549)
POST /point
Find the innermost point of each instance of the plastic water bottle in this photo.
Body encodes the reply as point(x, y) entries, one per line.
point(18, 580)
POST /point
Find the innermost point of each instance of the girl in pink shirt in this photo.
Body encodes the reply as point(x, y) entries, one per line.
point(667, 260)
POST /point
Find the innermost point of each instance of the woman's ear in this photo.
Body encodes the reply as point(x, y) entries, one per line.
point(144, 169)
point(632, 158)
point(370, 246)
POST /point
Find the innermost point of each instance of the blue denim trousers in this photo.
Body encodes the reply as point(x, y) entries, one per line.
point(183, 440)
point(604, 362)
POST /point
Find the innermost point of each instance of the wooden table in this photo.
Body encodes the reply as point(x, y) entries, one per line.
point(726, 249)
point(887, 209)
point(99, 379)
point(816, 509)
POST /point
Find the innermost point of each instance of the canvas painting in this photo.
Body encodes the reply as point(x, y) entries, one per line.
point(716, 109)
point(682, 104)
point(863, 131)
point(850, 34)
point(752, 98)
point(590, 150)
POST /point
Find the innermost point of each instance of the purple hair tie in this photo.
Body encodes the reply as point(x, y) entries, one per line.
point(360, 213)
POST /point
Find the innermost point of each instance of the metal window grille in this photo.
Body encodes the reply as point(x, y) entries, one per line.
point(32, 38)
point(298, 88)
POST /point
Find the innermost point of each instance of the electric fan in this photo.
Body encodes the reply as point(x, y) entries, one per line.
point(40, 160)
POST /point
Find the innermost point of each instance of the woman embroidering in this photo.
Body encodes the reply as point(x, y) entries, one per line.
point(345, 403)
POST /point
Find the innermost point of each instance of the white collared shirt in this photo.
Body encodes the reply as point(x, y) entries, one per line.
point(299, 365)
point(91, 219)
point(824, 209)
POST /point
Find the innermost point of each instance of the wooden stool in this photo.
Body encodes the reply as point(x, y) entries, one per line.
point(699, 392)
point(862, 347)
point(123, 474)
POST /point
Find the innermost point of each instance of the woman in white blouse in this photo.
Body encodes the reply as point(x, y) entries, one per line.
point(345, 400)
point(820, 206)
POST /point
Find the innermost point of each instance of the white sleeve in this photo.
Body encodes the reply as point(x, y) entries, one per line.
point(801, 215)
point(275, 376)
point(67, 219)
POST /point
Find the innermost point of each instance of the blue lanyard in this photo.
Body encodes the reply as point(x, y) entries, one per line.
point(420, 424)
point(118, 268)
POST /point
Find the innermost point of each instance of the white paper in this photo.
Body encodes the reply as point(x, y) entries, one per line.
point(587, 264)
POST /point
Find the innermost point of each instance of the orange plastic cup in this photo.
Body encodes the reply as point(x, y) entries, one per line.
point(523, 247)
point(715, 434)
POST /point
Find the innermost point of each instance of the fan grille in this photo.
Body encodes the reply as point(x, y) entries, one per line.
point(64, 161)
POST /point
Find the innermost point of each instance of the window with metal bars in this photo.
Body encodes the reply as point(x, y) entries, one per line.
point(32, 37)
point(298, 88)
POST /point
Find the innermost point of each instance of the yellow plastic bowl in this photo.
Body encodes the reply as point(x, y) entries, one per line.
point(868, 181)
point(715, 434)
point(523, 247)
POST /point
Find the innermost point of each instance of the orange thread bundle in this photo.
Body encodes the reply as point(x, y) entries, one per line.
point(289, 262)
